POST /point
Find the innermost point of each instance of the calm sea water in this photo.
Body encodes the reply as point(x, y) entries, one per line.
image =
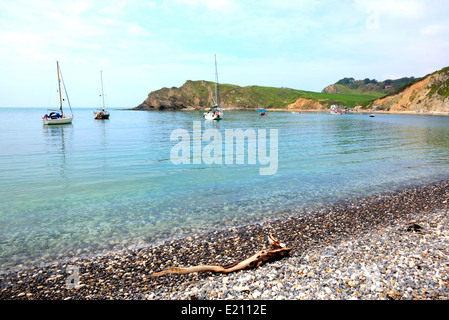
point(95, 186)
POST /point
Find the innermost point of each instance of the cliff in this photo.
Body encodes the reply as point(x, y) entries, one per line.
point(427, 94)
point(305, 104)
point(200, 95)
point(190, 95)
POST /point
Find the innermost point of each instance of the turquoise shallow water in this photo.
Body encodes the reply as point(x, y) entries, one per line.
point(95, 186)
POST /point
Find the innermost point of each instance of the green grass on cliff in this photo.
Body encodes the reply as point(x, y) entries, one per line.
point(200, 93)
point(271, 97)
point(291, 95)
point(341, 89)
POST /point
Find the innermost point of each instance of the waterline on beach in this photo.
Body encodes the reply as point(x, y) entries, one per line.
point(94, 187)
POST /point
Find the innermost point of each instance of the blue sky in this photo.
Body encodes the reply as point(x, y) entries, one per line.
point(142, 46)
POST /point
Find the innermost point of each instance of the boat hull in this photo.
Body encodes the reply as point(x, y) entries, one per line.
point(62, 120)
point(212, 117)
point(101, 116)
point(217, 115)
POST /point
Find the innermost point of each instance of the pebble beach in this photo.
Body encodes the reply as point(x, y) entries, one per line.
point(386, 247)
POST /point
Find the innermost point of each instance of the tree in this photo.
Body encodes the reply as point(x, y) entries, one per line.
point(345, 81)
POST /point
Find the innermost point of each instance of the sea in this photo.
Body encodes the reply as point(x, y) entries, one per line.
point(142, 177)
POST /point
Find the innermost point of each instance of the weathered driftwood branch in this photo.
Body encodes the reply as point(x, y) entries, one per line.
point(277, 252)
point(415, 222)
point(414, 226)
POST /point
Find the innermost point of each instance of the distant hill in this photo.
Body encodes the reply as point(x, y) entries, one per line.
point(200, 95)
point(426, 94)
point(429, 93)
point(370, 87)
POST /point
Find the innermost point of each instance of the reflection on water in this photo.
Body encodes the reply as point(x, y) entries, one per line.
point(102, 185)
point(55, 143)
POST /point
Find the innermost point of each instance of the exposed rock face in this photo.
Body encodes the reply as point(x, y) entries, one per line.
point(305, 104)
point(201, 95)
point(330, 89)
point(430, 94)
point(189, 95)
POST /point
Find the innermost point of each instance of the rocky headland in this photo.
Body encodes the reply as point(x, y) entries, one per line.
point(426, 94)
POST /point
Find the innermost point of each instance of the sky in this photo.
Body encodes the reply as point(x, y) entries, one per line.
point(141, 46)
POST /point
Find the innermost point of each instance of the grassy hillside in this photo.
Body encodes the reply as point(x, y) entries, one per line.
point(367, 86)
point(341, 89)
point(271, 97)
point(199, 94)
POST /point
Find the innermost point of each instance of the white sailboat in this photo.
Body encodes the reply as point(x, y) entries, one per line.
point(215, 113)
point(101, 113)
point(55, 116)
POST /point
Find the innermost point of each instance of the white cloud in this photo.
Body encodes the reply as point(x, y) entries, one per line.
point(214, 5)
point(434, 30)
point(167, 42)
point(37, 29)
point(394, 9)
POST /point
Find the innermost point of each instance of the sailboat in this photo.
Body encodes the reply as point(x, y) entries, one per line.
point(56, 117)
point(102, 113)
point(215, 113)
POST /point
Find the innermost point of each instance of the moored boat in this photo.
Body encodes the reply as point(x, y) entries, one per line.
point(101, 114)
point(55, 116)
point(215, 113)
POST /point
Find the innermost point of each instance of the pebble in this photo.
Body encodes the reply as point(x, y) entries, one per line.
point(351, 250)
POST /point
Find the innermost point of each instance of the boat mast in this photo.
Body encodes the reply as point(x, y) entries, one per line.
point(102, 94)
point(59, 86)
point(216, 84)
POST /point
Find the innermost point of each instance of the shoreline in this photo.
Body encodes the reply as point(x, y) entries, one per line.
point(350, 250)
point(368, 111)
point(362, 112)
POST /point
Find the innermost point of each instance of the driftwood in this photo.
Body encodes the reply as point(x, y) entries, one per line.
point(414, 226)
point(415, 222)
point(278, 251)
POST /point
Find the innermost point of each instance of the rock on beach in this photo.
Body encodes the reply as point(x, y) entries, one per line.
point(359, 249)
